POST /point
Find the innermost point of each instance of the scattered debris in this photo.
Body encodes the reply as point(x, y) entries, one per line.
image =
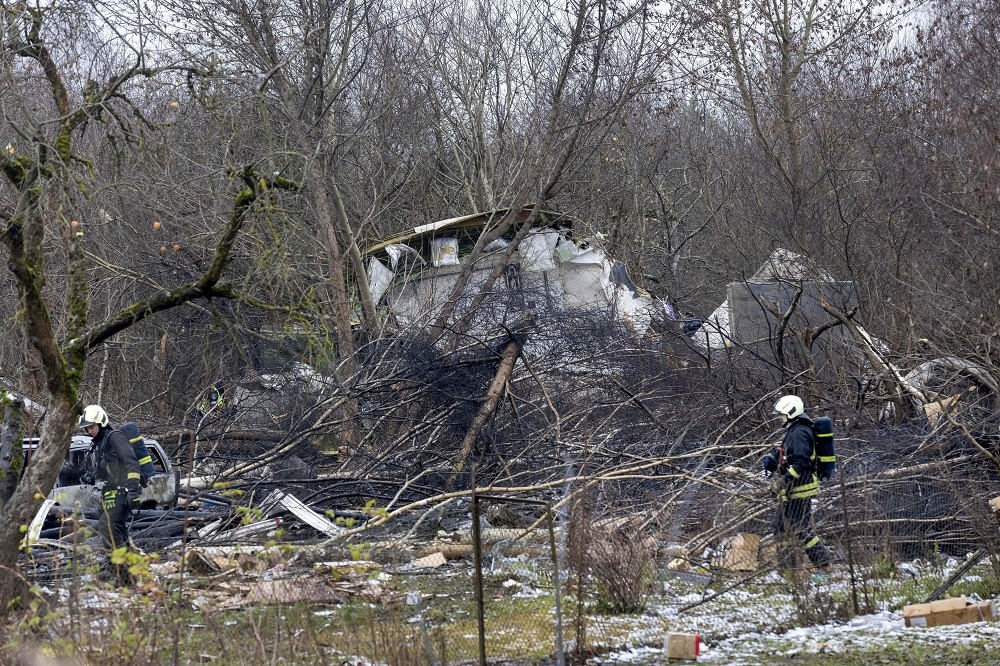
point(35, 528)
point(297, 508)
point(200, 563)
point(955, 610)
point(681, 646)
point(413, 272)
point(432, 561)
point(738, 553)
point(346, 568)
point(293, 591)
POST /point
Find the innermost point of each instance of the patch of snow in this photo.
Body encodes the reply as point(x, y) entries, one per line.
point(751, 625)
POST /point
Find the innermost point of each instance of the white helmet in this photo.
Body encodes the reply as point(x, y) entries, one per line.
point(93, 415)
point(789, 406)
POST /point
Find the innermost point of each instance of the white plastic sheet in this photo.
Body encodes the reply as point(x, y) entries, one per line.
point(588, 255)
point(444, 251)
point(397, 251)
point(635, 310)
point(379, 279)
point(537, 250)
point(496, 245)
point(566, 250)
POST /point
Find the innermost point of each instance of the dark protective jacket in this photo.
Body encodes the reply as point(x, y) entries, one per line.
point(146, 469)
point(798, 449)
point(117, 465)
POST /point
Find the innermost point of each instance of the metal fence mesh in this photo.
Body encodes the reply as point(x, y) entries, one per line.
point(518, 586)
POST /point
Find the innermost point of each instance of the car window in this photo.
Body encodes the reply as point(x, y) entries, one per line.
point(154, 453)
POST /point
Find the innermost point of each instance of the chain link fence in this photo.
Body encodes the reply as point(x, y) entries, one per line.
point(517, 581)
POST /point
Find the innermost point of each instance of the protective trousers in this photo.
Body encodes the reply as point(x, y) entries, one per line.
point(794, 519)
point(113, 528)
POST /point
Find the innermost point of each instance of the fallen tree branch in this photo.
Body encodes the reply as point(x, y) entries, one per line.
point(508, 357)
point(972, 440)
point(867, 346)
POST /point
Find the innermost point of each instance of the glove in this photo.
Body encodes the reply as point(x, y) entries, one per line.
point(133, 505)
point(88, 478)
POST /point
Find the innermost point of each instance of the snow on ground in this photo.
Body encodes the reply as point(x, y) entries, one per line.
point(862, 633)
point(752, 626)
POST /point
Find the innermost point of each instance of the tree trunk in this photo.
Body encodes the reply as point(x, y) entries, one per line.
point(11, 453)
point(354, 254)
point(327, 230)
point(16, 515)
point(341, 307)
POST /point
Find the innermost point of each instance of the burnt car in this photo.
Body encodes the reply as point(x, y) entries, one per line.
point(70, 493)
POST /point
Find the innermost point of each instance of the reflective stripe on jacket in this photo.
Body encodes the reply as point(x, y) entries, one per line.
point(131, 431)
point(803, 491)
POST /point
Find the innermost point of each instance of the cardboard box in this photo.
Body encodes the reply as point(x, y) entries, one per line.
point(949, 611)
point(934, 614)
point(933, 410)
point(995, 505)
point(681, 646)
point(432, 561)
point(984, 611)
point(739, 554)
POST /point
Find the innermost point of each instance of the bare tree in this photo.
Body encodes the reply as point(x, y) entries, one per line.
point(540, 105)
point(775, 66)
point(46, 222)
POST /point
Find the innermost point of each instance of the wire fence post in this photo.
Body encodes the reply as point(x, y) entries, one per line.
point(477, 555)
point(560, 657)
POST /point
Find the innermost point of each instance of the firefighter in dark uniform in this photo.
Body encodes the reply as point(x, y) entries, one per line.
point(117, 470)
point(796, 483)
